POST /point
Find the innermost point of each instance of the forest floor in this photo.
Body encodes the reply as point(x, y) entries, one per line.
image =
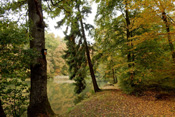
point(111, 102)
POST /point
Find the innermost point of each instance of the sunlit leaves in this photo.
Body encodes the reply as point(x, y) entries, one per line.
point(147, 42)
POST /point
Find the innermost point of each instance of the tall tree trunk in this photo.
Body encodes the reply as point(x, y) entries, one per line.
point(96, 88)
point(2, 114)
point(113, 75)
point(130, 55)
point(39, 104)
point(128, 35)
point(164, 18)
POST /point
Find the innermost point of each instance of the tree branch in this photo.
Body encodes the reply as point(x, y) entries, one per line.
point(61, 7)
point(49, 6)
point(173, 22)
point(56, 3)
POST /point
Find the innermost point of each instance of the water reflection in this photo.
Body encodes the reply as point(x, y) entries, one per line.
point(61, 93)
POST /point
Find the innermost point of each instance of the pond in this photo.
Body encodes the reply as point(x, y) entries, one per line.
point(61, 93)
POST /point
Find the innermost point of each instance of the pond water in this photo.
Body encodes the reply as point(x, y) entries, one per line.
point(61, 93)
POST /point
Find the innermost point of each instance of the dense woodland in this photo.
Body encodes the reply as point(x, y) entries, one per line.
point(133, 47)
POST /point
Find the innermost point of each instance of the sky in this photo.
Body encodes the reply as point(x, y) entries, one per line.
point(51, 23)
point(59, 32)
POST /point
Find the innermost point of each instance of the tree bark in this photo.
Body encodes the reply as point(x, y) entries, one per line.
point(39, 104)
point(164, 18)
point(96, 88)
point(128, 35)
point(130, 55)
point(2, 114)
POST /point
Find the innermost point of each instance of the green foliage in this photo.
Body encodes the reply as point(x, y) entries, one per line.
point(75, 54)
point(15, 97)
point(141, 60)
point(52, 42)
point(75, 58)
point(15, 60)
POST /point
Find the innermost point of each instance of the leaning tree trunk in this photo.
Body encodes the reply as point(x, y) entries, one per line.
point(164, 18)
point(2, 114)
point(39, 104)
point(96, 88)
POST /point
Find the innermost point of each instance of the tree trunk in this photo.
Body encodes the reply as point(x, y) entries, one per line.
point(96, 88)
point(128, 35)
point(39, 104)
point(130, 55)
point(113, 75)
point(2, 114)
point(164, 18)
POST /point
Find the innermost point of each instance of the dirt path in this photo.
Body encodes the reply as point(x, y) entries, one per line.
point(113, 103)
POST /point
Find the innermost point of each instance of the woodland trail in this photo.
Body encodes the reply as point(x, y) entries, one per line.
point(113, 103)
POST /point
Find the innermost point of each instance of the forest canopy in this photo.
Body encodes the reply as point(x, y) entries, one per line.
point(133, 47)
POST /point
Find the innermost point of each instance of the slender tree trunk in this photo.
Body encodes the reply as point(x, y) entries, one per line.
point(39, 104)
point(128, 35)
point(96, 88)
point(130, 55)
point(2, 114)
point(113, 75)
point(164, 18)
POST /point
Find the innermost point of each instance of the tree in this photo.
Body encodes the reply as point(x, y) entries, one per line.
point(120, 34)
point(55, 48)
point(77, 10)
point(96, 88)
point(39, 104)
point(61, 67)
point(38, 97)
point(75, 58)
point(137, 31)
point(14, 66)
point(164, 7)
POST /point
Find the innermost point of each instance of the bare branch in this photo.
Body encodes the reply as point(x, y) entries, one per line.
point(49, 6)
point(55, 4)
point(172, 21)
